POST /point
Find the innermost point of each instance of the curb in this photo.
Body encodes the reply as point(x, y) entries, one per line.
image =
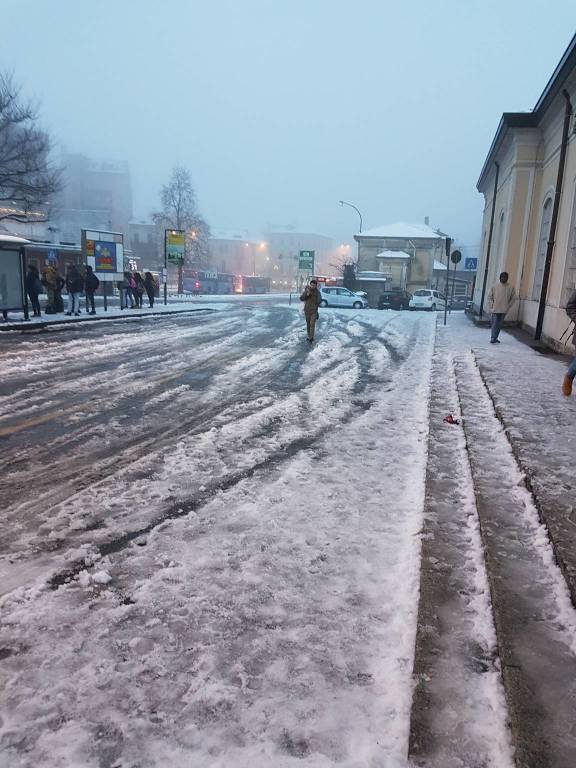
point(23, 326)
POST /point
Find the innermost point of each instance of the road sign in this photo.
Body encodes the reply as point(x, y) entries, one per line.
point(471, 264)
point(175, 245)
point(52, 256)
point(306, 261)
point(456, 257)
point(164, 275)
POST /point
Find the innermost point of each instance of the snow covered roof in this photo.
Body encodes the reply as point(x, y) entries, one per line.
point(439, 265)
point(402, 230)
point(13, 239)
point(392, 255)
point(368, 275)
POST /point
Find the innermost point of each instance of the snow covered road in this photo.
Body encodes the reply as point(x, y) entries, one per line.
point(210, 551)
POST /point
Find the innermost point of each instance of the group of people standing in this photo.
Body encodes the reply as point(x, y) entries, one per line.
point(132, 289)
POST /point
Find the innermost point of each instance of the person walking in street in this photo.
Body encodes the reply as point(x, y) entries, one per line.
point(74, 286)
point(91, 285)
point(139, 289)
point(500, 299)
point(570, 374)
point(150, 286)
point(34, 288)
point(311, 298)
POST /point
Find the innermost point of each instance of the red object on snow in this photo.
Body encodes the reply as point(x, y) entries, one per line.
point(451, 420)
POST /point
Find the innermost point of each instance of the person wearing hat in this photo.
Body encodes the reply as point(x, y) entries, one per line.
point(311, 298)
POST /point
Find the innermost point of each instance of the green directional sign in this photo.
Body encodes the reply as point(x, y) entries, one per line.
point(306, 261)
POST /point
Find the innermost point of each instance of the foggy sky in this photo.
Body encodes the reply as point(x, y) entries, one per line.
point(280, 108)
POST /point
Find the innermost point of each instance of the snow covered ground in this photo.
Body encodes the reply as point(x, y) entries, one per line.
point(211, 536)
point(264, 612)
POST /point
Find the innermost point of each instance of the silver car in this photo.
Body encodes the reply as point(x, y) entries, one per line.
point(341, 297)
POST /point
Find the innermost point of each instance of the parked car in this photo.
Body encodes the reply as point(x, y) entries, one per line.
point(394, 300)
point(427, 298)
point(341, 297)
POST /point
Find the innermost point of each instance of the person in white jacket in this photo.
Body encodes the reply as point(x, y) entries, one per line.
point(500, 299)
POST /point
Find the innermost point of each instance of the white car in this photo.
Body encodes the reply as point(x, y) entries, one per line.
point(341, 297)
point(427, 298)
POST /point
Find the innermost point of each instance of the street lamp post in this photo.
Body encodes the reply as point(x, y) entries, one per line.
point(343, 202)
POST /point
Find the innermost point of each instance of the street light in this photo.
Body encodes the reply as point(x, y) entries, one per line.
point(343, 202)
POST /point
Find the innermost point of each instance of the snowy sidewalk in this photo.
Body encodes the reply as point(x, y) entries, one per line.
point(540, 423)
point(476, 485)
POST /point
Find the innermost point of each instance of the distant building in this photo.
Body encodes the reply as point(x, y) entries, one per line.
point(519, 181)
point(96, 195)
point(235, 252)
point(399, 256)
point(285, 245)
point(144, 245)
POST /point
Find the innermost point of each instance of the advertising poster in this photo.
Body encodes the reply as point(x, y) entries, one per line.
point(175, 245)
point(104, 257)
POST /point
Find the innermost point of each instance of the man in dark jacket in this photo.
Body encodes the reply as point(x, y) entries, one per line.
point(311, 298)
point(74, 286)
point(571, 372)
point(91, 285)
point(34, 288)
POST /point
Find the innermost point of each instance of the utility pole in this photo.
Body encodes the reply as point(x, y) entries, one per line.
point(448, 244)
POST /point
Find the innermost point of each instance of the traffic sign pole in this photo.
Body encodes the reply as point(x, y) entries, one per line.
point(455, 259)
point(165, 273)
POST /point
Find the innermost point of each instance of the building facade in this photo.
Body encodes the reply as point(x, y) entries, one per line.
point(95, 195)
point(529, 224)
point(398, 256)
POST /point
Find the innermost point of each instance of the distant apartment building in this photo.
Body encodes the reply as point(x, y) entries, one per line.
point(145, 247)
point(96, 195)
point(237, 252)
point(285, 245)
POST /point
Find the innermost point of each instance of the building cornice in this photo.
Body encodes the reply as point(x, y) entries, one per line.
point(511, 120)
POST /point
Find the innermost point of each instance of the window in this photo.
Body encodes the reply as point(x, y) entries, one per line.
point(344, 292)
point(422, 293)
point(570, 272)
point(542, 246)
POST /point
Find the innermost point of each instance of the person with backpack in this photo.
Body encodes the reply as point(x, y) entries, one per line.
point(74, 286)
point(311, 298)
point(126, 291)
point(34, 288)
point(570, 374)
point(500, 299)
point(91, 285)
point(150, 286)
point(139, 289)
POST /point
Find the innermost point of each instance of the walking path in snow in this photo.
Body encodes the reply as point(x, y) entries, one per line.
point(535, 618)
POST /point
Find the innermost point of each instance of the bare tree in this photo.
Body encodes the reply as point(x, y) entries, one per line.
point(347, 268)
point(28, 179)
point(180, 211)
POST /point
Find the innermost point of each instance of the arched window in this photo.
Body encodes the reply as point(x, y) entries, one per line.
point(569, 284)
point(542, 246)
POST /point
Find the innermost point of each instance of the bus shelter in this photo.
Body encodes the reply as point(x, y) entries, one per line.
point(12, 275)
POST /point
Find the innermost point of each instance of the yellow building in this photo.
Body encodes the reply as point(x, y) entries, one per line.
point(529, 224)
